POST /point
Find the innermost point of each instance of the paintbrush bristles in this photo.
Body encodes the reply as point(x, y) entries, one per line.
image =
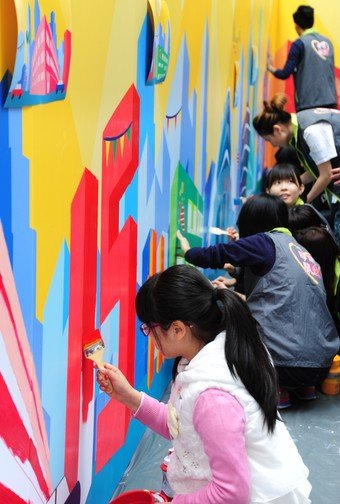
point(97, 357)
point(95, 351)
point(218, 231)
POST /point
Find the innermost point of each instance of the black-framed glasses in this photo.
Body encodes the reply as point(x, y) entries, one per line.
point(146, 329)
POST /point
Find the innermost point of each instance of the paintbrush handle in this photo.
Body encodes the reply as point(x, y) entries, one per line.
point(97, 358)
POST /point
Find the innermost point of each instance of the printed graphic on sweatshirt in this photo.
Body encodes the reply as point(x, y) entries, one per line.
point(306, 261)
point(321, 48)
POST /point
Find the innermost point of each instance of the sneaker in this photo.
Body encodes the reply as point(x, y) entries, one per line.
point(305, 393)
point(284, 399)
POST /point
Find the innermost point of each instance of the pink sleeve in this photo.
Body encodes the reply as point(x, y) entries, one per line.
point(220, 422)
point(153, 414)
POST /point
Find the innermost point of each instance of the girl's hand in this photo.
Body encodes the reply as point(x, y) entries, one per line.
point(222, 282)
point(185, 245)
point(112, 381)
point(219, 283)
point(230, 268)
point(232, 234)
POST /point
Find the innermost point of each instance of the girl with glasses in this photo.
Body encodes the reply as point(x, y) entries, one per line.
point(230, 446)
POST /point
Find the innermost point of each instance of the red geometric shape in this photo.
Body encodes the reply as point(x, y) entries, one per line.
point(120, 160)
point(9, 497)
point(16, 437)
point(83, 279)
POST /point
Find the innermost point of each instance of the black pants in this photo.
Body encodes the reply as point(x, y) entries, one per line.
point(297, 377)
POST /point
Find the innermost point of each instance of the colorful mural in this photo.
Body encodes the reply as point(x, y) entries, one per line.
point(92, 190)
point(42, 62)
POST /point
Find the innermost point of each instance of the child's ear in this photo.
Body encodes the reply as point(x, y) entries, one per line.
point(301, 189)
point(267, 191)
point(179, 329)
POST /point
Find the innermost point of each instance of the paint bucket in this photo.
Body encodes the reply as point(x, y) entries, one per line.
point(331, 385)
point(134, 497)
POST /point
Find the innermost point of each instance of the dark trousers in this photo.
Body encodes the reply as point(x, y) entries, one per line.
point(297, 377)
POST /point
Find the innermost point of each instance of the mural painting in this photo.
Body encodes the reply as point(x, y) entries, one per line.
point(92, 190)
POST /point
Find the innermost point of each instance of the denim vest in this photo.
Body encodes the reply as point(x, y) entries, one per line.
point(289, 303)
point(314, 79)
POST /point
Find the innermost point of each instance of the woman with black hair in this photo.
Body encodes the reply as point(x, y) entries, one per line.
point(284, 291)
point(229, 446)
point(315, 136)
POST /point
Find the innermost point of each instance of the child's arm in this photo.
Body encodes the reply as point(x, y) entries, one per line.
point(257, 250)
point(321, 183)
point(147, 410)
point(153, 413)
point(220, 422)
point(120, 388)
point(320, 140)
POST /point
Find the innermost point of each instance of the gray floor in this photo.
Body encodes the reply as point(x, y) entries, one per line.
point(314, 426)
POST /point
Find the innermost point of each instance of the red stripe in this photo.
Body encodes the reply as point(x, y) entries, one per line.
point(118, 265)
point(9, 497)
point(21, 351)
point(15, 436)
point(82, 314)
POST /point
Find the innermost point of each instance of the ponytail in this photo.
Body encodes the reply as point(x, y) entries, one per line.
point(247, 357)
point(181, 292)
point(273, 113)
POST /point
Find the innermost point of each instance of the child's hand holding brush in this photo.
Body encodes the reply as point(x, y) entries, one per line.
point(112, 381)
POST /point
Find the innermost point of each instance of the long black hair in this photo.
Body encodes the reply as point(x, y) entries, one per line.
point(324, 249)
point(304, 216)
point(262, 213)
point(181, 292)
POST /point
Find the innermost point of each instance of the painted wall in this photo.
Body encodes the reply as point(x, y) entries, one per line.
point(92, 190)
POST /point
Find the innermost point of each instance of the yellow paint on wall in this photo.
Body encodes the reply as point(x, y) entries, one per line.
point(326, 21)
point(50, 143)
point(59, 138)
point(119, 63)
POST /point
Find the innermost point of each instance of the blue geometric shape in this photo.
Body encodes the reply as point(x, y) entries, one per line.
point(54, 358)
point(5, 163)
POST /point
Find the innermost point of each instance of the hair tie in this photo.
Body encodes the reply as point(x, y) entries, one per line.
point(218, 302)
point(214, 295)
point(220, 306)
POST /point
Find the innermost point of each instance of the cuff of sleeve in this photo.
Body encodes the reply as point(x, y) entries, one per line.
point(135, 414)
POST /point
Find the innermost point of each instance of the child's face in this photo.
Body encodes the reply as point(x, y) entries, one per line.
point(286, 189)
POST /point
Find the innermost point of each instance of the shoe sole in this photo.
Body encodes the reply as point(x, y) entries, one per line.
point(283, 406)
point(305, 398)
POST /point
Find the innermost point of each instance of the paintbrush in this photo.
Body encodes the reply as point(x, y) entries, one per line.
point(94, 351)
point(218, 231)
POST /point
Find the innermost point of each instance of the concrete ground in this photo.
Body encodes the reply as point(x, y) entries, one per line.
point(314, 426)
